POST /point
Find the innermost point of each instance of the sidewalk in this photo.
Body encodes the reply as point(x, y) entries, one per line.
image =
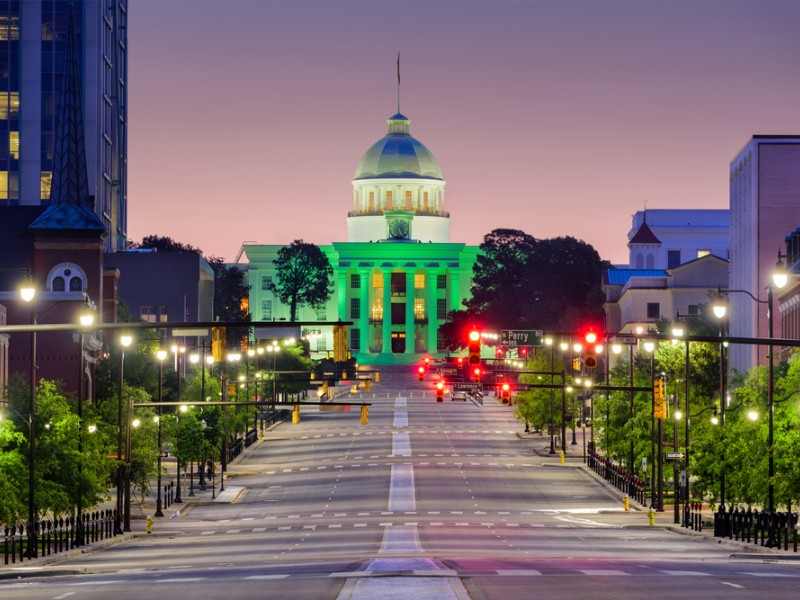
point(636, 516)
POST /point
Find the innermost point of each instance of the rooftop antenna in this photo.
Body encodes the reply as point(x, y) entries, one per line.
point(398, 83)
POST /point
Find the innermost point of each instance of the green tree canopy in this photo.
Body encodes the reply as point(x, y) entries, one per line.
point(304, 276)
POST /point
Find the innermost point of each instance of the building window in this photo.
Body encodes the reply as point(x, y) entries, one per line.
point(148, 314)
point(266, 310)
point(419, 308)
point(425, 205)
point(377, 280)
point(355, 340)
point(419, 281)
point(355, 308)
point(163, 317)
point(389, 200)
point(322, 313)
point(355, 282)
point(408, 200)
point(653, 310)
point(58, 284)
point(371, 201)
point(673, 258)
point(694, 309)
point(376, 313)
point(398, 313)
point(441, 309)
point(702, 253)
point(398, 284)
point(66, 277)
point(441, 282)
point(266, 280)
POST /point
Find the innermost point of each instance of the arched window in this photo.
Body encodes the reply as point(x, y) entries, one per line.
point(651, 261)
point(67, 277)
point(639, 261)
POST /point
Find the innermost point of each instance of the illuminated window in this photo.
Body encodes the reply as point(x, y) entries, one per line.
point(419, 308)
point(425, 201)
point(388, 200)
point(419, 281)
point(9, 106)
point(148, 314)
point(376, 313)
point(377, 279)
point(3, 185)
point(13, 144)
point(45, 185)
point(408, 200)
point(702, 253)
point(163, 317)
point(371, 201)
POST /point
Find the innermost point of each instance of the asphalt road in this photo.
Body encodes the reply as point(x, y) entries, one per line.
point(430, 500)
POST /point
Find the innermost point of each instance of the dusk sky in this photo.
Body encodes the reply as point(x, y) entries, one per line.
point(248, 118)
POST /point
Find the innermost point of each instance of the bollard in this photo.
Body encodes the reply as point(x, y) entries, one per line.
point(651, 515)
point(626, 503)
point(561, 457)
point(148, 524)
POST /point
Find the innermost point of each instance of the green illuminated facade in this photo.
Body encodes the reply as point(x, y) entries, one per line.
point(398, 275)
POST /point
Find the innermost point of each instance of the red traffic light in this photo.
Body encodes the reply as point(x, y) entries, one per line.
point(590, 337)
point(460, 361)
point(421, 370)
point(474, 335)
point(477, 371)
point(440, 385)
point(427, 361)
point(506, 387)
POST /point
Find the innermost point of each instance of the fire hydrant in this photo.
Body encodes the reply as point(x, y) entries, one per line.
point(561, 457)
point(148, 524)
point(651, 515)
point(626, 503)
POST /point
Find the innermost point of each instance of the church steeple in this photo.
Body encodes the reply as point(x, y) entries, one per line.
point(70, 180)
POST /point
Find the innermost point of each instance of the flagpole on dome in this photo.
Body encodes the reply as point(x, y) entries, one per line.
point(398, 83)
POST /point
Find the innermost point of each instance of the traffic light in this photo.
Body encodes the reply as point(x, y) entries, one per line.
point(421, 373)
point(474, 348)
point(368, 385)
point(440, 392)
point(506, 393)
point(660, 405)
point(524, 351)
point(576, 364)
point(499, 352)
point(427, 362)
point(476, 374)
point(340, 343)
point(590, 349)
point(218, 343)
point(365, 415)
point(460, 361)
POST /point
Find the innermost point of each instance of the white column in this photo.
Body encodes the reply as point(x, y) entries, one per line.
point(431, 281)
point(410, 326)
point(387, 312)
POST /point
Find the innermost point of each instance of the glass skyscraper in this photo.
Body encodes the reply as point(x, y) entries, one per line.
point(33, 38)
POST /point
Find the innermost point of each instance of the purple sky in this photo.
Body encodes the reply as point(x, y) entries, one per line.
point(248, 117)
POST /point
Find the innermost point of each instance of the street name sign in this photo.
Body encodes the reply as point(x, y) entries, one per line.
point(674, 456)
point(513, 338)
point(626, 339)
point(467, 386)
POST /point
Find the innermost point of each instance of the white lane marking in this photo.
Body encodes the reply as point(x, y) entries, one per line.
point(518, 572)
point(604, 572)
point(772, 575)
point(400, 403)
point(401, 444)
point(259, 530)
point(686, 573)
point(400, 419)
point(62, 596)
point(179, 580)
point(267, 576)
point(733, 585)
point(401, 489)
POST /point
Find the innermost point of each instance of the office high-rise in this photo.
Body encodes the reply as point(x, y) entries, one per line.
point(33, 41)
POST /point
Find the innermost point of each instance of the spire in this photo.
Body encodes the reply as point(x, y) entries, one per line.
point(70, 181)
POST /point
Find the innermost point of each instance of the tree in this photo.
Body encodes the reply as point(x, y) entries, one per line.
point(164, 244)
point(304, 276)
point(520, 282)
point(230, 298)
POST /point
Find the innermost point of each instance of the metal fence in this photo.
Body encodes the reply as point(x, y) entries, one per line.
point(772, 529)
point(617, 476)
point(23, 541)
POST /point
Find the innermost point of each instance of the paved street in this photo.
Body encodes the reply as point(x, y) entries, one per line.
point(430, 500)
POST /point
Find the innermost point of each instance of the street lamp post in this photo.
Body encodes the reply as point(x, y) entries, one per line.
point(160, 355)
point(178, 351)
point(125, 341)
point(650, 348)
point(28, 294)
point(86, 319)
